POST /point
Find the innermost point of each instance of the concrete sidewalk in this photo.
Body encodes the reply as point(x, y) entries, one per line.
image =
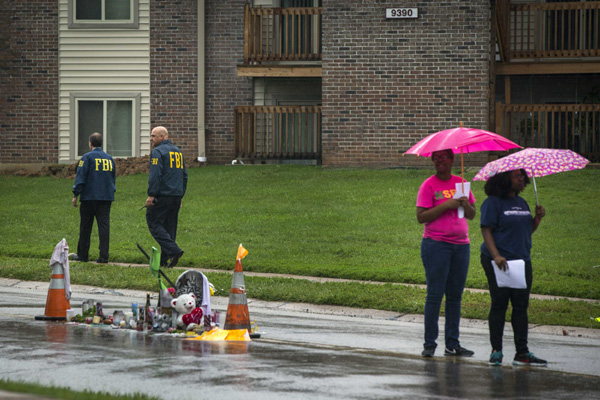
point(321, 279)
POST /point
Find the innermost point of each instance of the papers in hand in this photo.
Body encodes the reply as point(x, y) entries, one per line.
point(513, 277)
point(460, 193)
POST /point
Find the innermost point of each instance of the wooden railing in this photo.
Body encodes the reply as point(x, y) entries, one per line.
point(282, 34)
point(547, 30)
point(278, 132)
point(555, 126)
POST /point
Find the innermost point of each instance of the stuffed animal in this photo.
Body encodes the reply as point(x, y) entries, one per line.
point(189, 316)
point(162, 323)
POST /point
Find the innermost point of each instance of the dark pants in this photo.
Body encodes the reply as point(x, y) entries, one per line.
point(88, 210)
point(446, 267)
point(519, 298)
point(162, 222)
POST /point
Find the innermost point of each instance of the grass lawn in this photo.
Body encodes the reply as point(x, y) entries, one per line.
point(57, 392)
point(345, 223)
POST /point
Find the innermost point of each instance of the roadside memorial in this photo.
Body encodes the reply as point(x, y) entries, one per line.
point(182, 310)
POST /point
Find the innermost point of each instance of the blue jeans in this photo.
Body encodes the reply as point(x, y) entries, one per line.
point(446, 267)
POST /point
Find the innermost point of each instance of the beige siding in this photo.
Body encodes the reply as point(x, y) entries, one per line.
point(103, 61)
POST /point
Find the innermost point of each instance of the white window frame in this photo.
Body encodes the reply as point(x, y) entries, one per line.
point(76, 97)
point(132, 23)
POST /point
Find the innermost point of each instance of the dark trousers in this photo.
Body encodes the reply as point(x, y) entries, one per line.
point(519, 298)
point(88, 210)
point(162, 223)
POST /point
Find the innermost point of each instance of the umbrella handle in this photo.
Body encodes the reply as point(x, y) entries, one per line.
point(462, 169)
point(537, 202)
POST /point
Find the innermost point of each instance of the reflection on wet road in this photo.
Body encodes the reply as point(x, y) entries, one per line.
point(118, 361)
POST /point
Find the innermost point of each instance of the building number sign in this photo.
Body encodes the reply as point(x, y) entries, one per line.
point(401, 13)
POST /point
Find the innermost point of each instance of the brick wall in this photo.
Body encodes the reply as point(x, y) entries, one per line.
point(224, 89)
point(174, 72)
point(28, 81)
point(389, 83)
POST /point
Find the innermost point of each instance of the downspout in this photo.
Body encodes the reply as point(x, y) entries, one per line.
point(201, 87)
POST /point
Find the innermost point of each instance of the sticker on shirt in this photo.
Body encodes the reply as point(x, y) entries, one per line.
point(444, 194)
point(81, 163)
point(517, 211)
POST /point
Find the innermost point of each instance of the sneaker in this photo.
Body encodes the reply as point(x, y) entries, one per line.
point(77, 258)
point(458, 351)
point(529, 359)
point(428, 352)
point(175, 259)
point(496, 358)
point(101, 260)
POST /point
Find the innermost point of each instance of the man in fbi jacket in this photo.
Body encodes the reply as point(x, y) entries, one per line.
point(95, 186)
point(167, 182)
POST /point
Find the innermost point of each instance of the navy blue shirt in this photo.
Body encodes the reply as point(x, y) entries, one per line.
point(168, 175)
point(96, 177)
point(512, 226)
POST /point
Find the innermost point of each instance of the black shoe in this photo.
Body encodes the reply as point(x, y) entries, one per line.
point(458, 351)
point(101, 260)
point(529, 359)
point(75, 257)
point(428, 352)
point(175, 259)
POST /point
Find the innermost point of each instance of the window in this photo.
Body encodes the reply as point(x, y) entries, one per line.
point(98, 14)
point(116, 118)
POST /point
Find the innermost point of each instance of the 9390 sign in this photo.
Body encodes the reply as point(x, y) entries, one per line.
point(398, 13)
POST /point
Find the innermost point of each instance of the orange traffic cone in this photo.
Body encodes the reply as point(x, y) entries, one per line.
point(56, 302)
point(238, 316)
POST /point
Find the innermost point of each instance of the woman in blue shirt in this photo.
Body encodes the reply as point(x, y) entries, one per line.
point(507, 226)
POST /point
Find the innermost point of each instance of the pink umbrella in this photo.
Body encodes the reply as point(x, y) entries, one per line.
point(461, 140)
point(536, 162)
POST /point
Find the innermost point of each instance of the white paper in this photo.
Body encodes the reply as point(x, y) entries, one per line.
point(513, 277)
point(459, 193)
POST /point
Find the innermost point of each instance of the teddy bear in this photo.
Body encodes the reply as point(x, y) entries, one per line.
point(188, 315)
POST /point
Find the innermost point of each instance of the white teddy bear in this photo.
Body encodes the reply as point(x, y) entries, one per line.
point(189, 316)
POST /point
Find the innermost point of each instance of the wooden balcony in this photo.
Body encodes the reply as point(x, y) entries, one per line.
point(555, 126)
point(278, 132)
point(548, 30)
point(282, 34)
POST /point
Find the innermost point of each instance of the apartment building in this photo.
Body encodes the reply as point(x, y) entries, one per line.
point(331, 82)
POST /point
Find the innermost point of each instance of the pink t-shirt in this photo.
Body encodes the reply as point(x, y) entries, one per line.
point(447, 227)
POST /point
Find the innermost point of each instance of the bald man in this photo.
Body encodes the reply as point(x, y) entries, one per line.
point(167, 182)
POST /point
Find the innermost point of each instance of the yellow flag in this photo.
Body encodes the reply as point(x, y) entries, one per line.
point(242, 252)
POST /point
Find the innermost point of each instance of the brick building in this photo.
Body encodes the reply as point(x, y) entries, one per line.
point(337, 82)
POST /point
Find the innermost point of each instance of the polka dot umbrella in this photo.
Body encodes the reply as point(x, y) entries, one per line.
point(536, 162)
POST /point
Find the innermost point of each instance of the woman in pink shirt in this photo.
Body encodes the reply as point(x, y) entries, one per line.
point(445, 252)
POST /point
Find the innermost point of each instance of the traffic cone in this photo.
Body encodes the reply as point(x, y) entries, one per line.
point(238, 316)
point(56, 302)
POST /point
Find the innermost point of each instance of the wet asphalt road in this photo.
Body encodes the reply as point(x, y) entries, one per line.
point(300, 355)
